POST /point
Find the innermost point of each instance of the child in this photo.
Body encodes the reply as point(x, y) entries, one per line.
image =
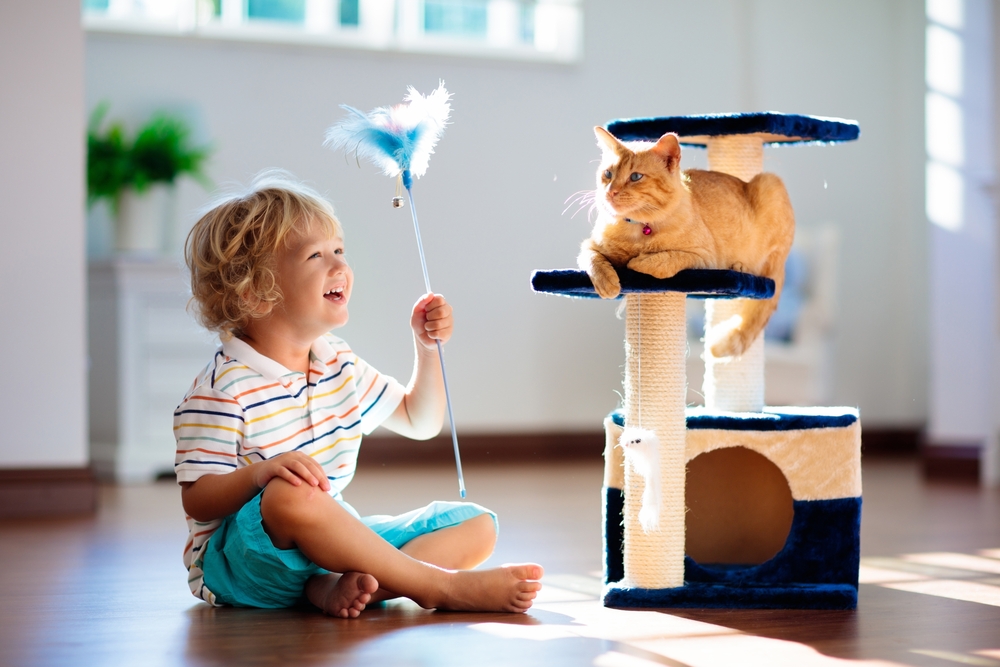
point(268, 435)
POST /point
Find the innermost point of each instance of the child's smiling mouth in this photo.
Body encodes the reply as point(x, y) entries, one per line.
point(336, 295)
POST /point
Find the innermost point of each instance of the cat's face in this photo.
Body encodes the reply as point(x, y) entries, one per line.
point(640, 178)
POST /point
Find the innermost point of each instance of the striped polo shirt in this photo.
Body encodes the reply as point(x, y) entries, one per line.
point(244, 408)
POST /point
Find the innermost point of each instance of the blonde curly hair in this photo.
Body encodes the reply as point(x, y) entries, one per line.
point(231, 251)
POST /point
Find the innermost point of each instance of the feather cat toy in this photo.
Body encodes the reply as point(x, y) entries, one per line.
point(400, 140)
point(642, 451)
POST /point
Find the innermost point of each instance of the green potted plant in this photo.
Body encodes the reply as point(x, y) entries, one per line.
point(136, 176)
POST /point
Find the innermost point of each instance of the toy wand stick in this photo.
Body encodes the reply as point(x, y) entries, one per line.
point(400, 139)
point(407, 183)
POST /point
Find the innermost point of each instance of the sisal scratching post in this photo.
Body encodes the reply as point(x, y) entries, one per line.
point(655, 389)
point(734, 384)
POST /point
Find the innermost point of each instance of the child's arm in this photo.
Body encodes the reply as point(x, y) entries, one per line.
point(217, 496)
point(421, 412)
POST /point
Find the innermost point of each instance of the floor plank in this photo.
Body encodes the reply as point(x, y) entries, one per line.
point(110, 590)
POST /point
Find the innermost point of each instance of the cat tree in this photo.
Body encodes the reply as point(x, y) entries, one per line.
point(801, 466)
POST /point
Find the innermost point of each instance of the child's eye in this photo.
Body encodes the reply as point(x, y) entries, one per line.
point(338, 251)
point(635, 176)
point(607, 173)
point(314, 255)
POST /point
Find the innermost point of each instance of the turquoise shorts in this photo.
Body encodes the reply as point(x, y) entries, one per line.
point(243, 568)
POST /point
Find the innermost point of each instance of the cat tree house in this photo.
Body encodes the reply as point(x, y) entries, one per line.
point(761, 506)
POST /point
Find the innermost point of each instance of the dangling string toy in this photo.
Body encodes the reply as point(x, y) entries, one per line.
point(642, 447)
point(400, 140)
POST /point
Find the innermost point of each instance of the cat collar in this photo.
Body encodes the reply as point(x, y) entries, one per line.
point(646, 229)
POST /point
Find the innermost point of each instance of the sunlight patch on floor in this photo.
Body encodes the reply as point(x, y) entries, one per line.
point(957, 561)
point(617, 659)
point(945, 574)
point(868, 574)
point(648, 638)
point(924, 570)
point(664, 639)
point(959, 658)
point(967, 591)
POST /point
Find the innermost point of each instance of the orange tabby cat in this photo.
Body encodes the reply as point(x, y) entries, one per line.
point(658, 220)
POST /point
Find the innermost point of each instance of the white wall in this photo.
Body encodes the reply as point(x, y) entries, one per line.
point(42, 343)
point(521, 143)
point(963, 265)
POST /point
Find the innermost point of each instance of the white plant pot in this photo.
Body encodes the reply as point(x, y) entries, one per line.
point(144, 220)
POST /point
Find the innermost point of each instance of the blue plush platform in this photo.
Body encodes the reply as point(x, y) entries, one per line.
point(770, 419)
point(697, 283)
point(715, 596)
point(778, 128)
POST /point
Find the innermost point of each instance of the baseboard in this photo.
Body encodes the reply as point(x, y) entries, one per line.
point(954, 461)
point(47, 492)
point(385, 450)
point(892, 441)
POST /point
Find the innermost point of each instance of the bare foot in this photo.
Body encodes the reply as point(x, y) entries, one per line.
point(343, 596)
point(507, 588)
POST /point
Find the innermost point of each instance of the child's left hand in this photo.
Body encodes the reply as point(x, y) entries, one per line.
point(431, 320)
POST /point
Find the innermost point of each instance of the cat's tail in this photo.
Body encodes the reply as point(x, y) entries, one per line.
point(734, 336)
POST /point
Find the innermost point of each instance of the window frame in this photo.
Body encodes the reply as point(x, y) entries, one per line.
point(384, 25)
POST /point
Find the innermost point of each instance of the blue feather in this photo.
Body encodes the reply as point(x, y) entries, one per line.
point(396, 139)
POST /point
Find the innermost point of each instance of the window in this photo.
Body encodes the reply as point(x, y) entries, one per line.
point(944, 113)
point(549, 30)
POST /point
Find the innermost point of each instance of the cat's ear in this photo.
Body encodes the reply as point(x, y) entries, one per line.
point(608, 142)
point(668, 149)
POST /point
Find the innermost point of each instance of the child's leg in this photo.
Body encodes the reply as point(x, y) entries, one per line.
point(459, 547)
point(309, 519)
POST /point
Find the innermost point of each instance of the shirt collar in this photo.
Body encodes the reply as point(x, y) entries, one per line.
point(267, 367)
point(235, 348)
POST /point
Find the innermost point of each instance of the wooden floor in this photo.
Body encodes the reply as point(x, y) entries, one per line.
point(111, 590)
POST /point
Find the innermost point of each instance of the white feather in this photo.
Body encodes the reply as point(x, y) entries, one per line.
point(642, 453)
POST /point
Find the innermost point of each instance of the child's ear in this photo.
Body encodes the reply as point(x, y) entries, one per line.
point(608, 142)
point(257, 306)
point(668, 149)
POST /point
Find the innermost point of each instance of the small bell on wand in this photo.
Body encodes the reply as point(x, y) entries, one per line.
point(398, 201)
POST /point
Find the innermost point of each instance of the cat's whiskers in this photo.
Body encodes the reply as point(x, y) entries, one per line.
point(582, 199)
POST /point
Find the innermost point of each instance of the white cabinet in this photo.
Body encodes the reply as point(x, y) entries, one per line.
point(145, 351)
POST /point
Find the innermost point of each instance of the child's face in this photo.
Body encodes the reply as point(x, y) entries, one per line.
point(315, 283)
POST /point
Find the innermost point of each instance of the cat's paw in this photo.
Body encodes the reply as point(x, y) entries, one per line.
point(607, 284)
point(652, 265)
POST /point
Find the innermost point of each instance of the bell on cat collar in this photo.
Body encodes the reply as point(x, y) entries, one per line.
point(397, 202)
point(647, 230)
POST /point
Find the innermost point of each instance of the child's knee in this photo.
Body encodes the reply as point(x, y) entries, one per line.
point(283, 503)
point(483, 531)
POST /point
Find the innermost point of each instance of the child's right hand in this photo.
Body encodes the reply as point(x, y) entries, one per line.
point(293, 467)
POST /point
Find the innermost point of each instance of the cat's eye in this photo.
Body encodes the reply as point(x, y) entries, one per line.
point(635, 176)
point(607, 173)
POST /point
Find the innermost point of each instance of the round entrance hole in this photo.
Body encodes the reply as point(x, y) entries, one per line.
point(739, 507)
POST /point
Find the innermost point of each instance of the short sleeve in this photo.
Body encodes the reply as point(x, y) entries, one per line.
point(208, 428)
point(379, 395)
